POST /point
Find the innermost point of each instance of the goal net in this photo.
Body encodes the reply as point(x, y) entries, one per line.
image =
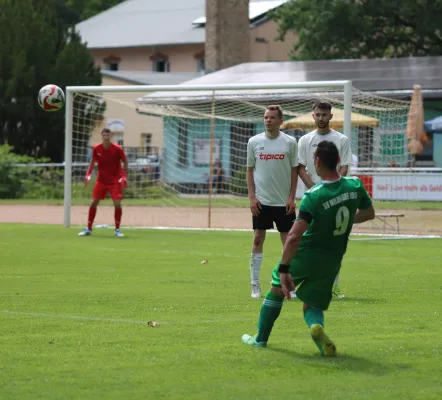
point(187, 146)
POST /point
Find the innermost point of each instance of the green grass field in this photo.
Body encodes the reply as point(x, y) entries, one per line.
point(74, 310)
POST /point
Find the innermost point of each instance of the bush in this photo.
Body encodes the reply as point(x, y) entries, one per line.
point(137, 189)
point(14, 179)
point(32, 181)
point(147, 190)
point(44, 183)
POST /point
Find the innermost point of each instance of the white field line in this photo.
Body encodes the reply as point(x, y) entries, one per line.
point(121, 321)
point(203, 321)
point(377, 235)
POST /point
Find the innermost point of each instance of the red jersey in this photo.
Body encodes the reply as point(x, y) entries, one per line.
point(109, 162)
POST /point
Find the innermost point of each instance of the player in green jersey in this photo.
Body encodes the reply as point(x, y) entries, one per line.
point(314, 249)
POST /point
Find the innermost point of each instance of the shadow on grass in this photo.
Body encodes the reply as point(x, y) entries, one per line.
point(342, 362)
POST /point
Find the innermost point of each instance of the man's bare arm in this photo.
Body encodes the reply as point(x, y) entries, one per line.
point(343, 170)
point(305, 177)
point(255, 205)
point(293, 182)
point(250, 183)
point(293, 241)
point(364, 215)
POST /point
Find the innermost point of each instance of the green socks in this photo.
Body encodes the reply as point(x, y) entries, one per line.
point(314, 316)
point(270, 310)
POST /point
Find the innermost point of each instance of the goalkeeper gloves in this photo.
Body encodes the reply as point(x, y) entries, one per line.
point(88, 176)
point(123, 179)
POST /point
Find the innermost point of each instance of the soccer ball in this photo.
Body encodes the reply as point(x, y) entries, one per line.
point(51, 98)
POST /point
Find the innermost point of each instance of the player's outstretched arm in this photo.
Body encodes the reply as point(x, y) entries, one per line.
point(89, 172)
point(305, 177)
point(364, 215)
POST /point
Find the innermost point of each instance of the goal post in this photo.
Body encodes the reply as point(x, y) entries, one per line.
point(345, 86)
point(187, 145)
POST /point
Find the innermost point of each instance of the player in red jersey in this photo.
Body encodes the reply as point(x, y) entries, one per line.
point(111, 179)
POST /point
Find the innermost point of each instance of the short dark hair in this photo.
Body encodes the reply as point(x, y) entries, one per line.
point(276, 108)
point(106, 130)
point(322, 105)
point(328, 154)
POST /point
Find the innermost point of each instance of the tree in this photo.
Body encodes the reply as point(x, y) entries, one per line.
point(351, 29)
point(85, 9)
point(37, 48)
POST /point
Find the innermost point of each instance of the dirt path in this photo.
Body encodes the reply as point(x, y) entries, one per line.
point(414, 222)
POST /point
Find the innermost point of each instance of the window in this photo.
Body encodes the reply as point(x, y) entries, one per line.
point(183, 145)
point(200, 61)
point(119, 139)
point(112, 66)
point(201, 65)
point(111, 63)
point(160, 62)
point(146, 142)
point(161, 66)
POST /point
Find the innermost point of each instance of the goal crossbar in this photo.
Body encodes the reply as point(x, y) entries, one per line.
point(344, 85)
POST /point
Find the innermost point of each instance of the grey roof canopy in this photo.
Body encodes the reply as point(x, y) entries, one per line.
point(389, 77)
point(368, 75)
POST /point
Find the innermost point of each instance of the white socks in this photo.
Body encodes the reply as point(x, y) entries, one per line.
point(255, 267)
point(337, 279)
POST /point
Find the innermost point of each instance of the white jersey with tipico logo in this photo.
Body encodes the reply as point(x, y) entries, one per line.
point(307, 146)
point(273, 160)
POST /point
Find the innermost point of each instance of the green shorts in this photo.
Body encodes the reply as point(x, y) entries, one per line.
point(313, 275)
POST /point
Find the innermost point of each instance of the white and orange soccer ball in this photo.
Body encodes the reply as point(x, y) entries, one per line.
point(51, 98)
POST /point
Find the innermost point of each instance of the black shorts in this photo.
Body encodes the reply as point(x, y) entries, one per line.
point(269, 215)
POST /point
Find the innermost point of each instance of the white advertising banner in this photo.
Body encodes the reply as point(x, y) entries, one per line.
point(411, 187)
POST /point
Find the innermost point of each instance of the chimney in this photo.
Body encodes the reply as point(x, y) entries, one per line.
point(227, 34)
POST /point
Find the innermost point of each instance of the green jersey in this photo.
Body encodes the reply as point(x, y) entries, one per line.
point(330, 207)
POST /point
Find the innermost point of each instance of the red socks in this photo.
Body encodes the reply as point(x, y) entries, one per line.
point(91, 217)
point(93, 211)
point(117, 214)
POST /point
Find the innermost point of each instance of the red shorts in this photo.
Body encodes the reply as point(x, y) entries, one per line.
point(100, 191)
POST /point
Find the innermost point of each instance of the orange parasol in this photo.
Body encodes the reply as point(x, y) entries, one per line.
point(415, 122)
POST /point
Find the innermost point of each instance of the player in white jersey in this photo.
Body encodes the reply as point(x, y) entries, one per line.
point(307, 146)
point(272, 177)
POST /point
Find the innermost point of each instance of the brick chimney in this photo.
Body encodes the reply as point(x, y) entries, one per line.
point(227, 34)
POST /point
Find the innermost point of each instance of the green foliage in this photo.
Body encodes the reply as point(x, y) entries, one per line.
point(85, 9)
point(38, 48)
point(142, 188)
point(350, 29)
point(14, 179)
point(74, 66)
point(43, 183)
point(139, 188)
